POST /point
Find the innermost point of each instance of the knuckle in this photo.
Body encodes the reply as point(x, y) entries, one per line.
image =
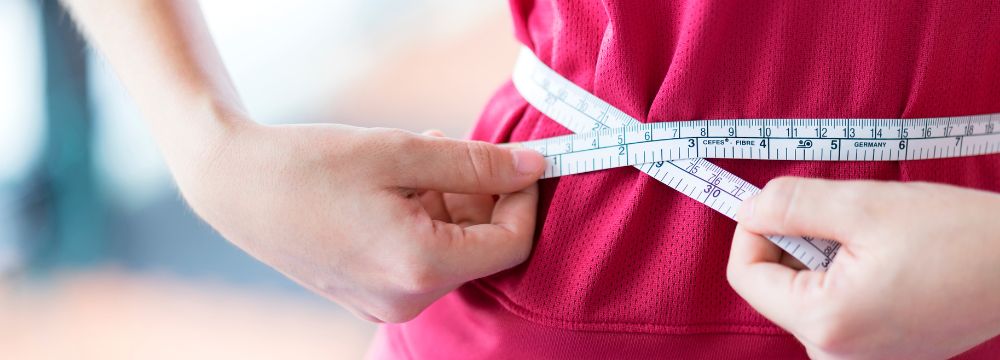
point(398, 139)
point(390, 144)
point(829, 339)
point(782, 184)
point(511, 257)
point(780, 197)
point(397, 311)
point(391, 149)
point(862, 199)
point(862, 192)
point(417, 276)
point(523, 250)
point(833, 332)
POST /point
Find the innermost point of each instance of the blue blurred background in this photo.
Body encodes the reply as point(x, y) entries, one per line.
point(99, 256)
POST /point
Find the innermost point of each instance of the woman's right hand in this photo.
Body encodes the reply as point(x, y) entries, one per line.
point(342, 210)
point(374, 219)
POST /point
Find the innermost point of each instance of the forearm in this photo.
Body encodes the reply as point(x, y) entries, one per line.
point(163, 53)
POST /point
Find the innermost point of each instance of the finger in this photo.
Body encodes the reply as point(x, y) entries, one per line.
point(467, 210)
point(434, 204)
point(463, 209)
point(775, 290)
point(457, 166)
point(433, 201)
point(480, 250)
point(808, 207)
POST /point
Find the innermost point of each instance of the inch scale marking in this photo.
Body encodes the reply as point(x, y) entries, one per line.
point(913, 139)
point(682, 167)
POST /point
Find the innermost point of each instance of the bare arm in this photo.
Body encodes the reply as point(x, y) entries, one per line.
point(382, 221)
point(162, 51)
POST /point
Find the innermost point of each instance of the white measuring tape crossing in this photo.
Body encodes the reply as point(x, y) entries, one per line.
point(756, 139)
point(674, 152)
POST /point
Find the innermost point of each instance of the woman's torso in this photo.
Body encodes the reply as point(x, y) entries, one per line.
point(625, 266)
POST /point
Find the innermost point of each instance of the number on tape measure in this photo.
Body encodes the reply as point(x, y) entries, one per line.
point(674, 152)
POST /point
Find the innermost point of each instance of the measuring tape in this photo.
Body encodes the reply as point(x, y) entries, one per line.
point(674, 152)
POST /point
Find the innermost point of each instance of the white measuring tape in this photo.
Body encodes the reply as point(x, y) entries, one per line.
point(674, 152)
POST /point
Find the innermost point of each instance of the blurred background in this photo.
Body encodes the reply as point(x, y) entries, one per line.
point(99, 256)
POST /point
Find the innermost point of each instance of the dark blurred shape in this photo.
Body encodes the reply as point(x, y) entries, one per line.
point(69, 213)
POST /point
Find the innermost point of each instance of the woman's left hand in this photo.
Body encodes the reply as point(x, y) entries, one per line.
point(918, 274)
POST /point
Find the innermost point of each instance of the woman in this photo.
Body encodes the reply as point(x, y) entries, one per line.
point(619, 265)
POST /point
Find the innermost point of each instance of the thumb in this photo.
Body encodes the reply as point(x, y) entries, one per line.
point(484, 249)
point(833, 210)
point(809, 207)
point(777, 291)
point(470, 167)
point(805, 302)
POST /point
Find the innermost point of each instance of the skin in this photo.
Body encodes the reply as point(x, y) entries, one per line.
point(384, 240)
point(916, 277)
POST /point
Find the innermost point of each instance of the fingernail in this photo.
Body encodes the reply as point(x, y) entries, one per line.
point(746, 210)
point(527, 161)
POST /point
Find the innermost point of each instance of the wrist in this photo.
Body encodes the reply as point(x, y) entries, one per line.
point(195, 133)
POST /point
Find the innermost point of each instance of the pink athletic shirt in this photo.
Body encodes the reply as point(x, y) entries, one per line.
point(624, 266)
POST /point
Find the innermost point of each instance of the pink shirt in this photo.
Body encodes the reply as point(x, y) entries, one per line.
point(624, 266)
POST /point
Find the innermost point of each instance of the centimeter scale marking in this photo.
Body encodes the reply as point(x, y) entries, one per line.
point(753, 139)
point(674, 152)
